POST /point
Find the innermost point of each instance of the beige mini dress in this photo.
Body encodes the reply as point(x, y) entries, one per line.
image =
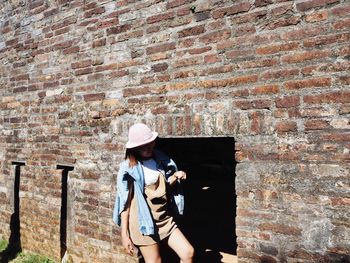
point(157, 201)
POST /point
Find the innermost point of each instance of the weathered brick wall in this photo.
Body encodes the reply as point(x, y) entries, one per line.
point(272, 73)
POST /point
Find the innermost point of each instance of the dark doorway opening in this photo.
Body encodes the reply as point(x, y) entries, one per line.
point(14, 246)
point(64, 203)
point(210, 199)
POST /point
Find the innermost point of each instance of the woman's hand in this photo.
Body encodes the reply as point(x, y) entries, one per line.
point(181, 175)
point(127, 244)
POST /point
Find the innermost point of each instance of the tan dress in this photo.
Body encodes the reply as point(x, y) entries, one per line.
point(157, 201)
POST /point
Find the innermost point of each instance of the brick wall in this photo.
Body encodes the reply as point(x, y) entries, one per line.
point(272, 73)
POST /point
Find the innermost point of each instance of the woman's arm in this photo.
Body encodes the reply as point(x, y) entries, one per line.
point(126, 241)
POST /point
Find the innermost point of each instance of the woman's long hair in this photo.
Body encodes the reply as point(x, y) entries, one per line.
point(133, 156)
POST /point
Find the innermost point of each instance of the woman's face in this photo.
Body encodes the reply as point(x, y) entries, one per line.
point(146, 151)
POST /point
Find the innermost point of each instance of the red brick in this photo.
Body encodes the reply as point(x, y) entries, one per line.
point(177, 3)
point(51, 12)
point(201, 16)
point(160, 67)
point(71, 50)
point(284, 22)
point(188, 62)
point(183, 11)
point(336, 137)
point(277, 74)
point(266, 89)
point(118, 74)
point(89, 6)
point(340, 201)
point(212, 59)
point(309, 4)
point(340, 10)
point(286, 126)
point(307, 83)
point(215, 36)
point(179, 86)
point(317, 17)
point(342, 24)
point(327, 40)
point(239, 93)
point(272, 49)
point(257, 122)
point(201, 50)
point(259, 63)
point(282, 10)
point(63, 23)
point(287, 102)
point(345, 80)
point(160, 17)
point(279, 228)
point(332, 97)
point(160, 48)
point(118, 29)
point(250, 17)
point(232, 10)
point(20, 77)
point(262, 2)
point(303, 255)
point(11, 42)
point(238, 53)
point(192, 31)
point(184, 74)
point(63, 45)
point(96, 11)
point(83, 71)
point(50, 84)
point(186, 43)
point(128, 92)
point(225, 44)
point(235, 81)
point(36, 4)
point(62, 31)
point(81, 64)
point(99, 43)
point(316, 124)
point(301, 33)
point(108, 23)
point(107, 67)
point(309, 55)
point(245, 30)
point(217, 70)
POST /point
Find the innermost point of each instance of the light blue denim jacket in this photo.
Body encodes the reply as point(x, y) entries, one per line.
point(135, 175)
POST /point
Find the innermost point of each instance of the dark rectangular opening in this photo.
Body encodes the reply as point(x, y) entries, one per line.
point(210, 198)
point(64, 202)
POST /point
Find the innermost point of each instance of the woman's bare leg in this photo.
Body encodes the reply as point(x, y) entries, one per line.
point(151, 253)
point(179, 243)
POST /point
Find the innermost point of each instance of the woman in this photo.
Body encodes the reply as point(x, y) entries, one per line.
point(148, 197)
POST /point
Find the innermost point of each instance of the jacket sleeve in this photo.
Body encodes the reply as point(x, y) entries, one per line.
point(122, 194)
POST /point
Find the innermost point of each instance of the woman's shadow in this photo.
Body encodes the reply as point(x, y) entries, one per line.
point(14, 245)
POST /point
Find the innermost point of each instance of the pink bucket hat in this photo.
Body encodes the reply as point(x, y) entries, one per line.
point(140, 134)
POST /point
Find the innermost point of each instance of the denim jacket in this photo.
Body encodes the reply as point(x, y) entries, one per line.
point(135, 175)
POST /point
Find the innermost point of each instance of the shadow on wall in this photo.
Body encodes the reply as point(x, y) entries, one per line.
point(210, 199)
point(14, 246)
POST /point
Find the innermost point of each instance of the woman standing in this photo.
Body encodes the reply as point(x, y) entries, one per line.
point(148, 197)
